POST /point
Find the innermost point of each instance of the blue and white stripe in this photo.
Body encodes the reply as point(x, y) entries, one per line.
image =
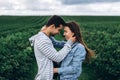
point(45, 54)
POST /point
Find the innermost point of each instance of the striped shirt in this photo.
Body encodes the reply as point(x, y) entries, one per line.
point(45, 54)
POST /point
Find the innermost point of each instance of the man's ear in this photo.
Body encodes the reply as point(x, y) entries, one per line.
point(52, 26)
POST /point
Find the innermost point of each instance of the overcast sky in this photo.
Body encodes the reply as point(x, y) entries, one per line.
point(60, 7)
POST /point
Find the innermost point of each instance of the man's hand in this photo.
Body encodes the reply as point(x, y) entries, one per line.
point(43, 28)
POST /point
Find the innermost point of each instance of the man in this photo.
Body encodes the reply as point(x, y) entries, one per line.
point(44, 51)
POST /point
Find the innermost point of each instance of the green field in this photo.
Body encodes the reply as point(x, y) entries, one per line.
point(101, 33)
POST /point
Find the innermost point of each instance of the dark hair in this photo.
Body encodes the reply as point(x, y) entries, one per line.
point(75, 28)
point(56, 20)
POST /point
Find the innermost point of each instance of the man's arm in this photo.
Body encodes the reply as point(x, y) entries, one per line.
point(49, 51)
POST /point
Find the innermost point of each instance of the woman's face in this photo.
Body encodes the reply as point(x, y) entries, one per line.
point(67, 33)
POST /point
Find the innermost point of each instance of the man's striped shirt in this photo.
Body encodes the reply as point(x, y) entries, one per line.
point(45, 54)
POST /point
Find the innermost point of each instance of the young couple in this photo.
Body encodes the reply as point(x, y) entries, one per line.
point(72, 52)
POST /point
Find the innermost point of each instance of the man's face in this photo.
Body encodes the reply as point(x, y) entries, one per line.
point(56, 30)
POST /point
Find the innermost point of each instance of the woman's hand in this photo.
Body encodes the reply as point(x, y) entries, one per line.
point(43, 28)
point(55, 70)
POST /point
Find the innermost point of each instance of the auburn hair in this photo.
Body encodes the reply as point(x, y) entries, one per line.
point(75, 28)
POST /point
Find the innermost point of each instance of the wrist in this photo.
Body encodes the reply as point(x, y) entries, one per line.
point(55, 70)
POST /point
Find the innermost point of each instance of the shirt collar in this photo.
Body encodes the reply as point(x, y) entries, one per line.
point(74, 44)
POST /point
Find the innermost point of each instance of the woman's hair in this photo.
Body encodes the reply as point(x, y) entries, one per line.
point(75, 28)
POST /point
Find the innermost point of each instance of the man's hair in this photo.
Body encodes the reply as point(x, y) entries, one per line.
point(56, 20)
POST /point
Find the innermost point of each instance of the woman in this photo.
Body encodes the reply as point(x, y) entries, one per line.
point(71, 66)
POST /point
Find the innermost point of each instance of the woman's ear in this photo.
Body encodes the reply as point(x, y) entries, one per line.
point(73, 34)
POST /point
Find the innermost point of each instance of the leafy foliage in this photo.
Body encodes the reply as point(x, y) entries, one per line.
point(102, 34)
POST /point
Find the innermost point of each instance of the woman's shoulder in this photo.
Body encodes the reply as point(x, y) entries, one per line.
point(80, 49)
point(80, 46)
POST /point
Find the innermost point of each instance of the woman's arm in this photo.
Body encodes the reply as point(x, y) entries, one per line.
point(56, 43)
point(76, 64)
point(55, 70)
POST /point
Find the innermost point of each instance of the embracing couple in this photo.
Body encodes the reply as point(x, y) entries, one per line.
point(72, 52)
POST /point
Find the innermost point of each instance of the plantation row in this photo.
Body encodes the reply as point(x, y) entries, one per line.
point(102, 34)
point(9, 25)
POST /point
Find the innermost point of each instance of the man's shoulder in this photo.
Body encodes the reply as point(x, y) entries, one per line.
point(42, 37)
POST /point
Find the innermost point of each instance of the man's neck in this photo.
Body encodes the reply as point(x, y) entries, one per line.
point(46, 33)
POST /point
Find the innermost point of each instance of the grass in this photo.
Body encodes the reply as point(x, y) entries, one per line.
point(87, 73)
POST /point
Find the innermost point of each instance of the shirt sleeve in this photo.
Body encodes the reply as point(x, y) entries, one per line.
point(76, 64)
point(46, 48)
